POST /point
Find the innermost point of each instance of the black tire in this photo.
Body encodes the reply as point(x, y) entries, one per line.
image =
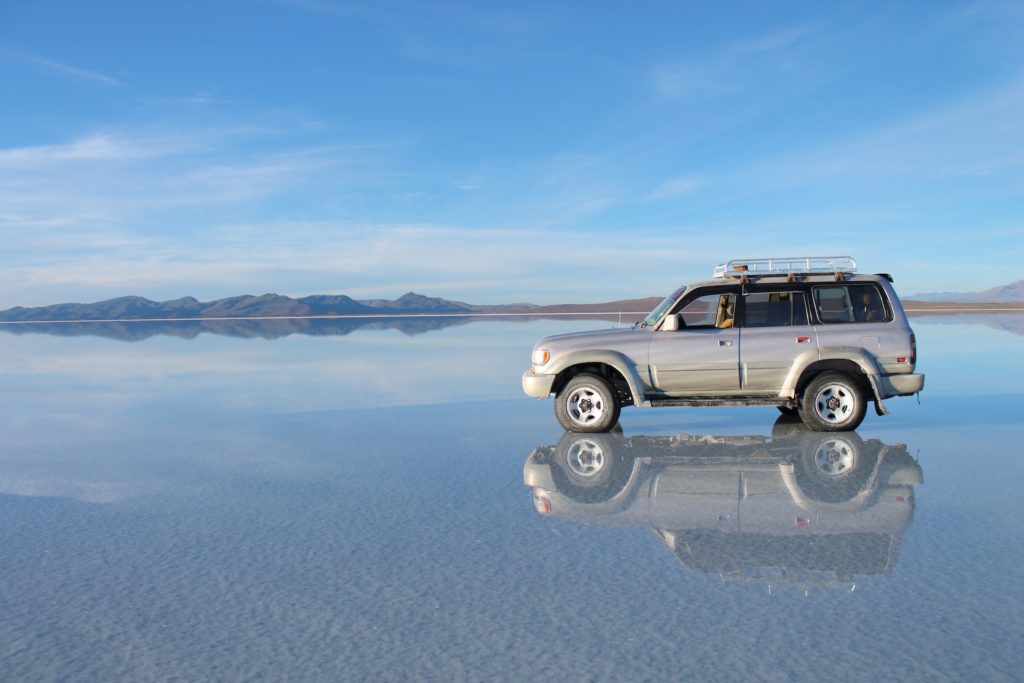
point(789, 412)
point(833, 402)
point(587, 403)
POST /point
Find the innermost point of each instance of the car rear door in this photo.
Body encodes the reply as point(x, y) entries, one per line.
point(775, 332)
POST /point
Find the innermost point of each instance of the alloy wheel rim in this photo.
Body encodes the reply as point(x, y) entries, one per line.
point(834, 403)
point(585, 405)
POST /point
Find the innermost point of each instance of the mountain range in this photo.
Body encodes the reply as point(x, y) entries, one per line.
point(245, 306)
point(411, 303)
point(1011, 293)
point(279, 306)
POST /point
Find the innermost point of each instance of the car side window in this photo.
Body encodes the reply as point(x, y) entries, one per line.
point(850, 304)
point(774, 309)
point(709, 311)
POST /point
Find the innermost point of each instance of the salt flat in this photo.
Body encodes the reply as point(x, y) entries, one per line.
point(352, 507)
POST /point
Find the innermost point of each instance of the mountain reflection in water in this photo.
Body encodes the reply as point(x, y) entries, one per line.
point(266, 328)
point(800, 507)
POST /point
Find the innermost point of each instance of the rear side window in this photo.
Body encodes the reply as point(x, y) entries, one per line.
point(774, 309)
point(850, 304)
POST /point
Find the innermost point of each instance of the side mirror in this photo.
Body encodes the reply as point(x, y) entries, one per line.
point(671, 323)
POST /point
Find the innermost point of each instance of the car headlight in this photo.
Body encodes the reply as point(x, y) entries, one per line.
point(540, 356)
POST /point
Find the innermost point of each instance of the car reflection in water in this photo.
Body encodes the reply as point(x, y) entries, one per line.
point(799, 508)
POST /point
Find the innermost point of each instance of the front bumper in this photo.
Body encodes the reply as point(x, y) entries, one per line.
point(537, 385)
point(901, 385)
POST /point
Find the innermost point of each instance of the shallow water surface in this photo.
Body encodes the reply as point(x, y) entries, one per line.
point(384, 504)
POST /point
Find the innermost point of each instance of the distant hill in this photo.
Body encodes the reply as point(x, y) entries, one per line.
point(245, 306)
point(1011, 293)
point(410, 303)
point(277, 305)
point(625, 305)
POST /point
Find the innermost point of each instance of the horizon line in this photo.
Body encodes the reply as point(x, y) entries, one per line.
point(325, 317)
point(349, 316)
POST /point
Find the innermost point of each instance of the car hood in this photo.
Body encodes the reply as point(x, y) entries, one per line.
point(609, 338)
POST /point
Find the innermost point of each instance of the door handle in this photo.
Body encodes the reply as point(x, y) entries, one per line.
point(725, 342)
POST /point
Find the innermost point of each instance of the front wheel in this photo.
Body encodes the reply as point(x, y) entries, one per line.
point(588, 403)
point(591, 468)
point(833, 402)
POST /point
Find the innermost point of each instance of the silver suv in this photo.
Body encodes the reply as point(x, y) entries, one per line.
point(805, 334)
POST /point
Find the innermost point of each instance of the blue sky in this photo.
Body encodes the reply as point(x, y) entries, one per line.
point(543, 152)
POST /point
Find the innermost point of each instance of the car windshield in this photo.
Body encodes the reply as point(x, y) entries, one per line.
point(659, 310)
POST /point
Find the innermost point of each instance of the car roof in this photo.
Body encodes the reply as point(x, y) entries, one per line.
point(782, 280)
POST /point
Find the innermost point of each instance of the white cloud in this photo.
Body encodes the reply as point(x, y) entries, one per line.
point(92, 148)
point(542, 265)
point(676, 187)
point(771, 42)
point(722, 71)
point(470, 182)
point(235, 182)
point(62, 69)
point(217, 212)
point(328, 7)
point(977, 136)
point(691, 81)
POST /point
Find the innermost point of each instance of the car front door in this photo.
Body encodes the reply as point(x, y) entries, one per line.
point(702, 357)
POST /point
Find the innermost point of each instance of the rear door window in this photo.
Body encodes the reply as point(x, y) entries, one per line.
point(774, 309)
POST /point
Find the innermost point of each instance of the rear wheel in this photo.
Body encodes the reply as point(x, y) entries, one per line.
point(833, 402)
point(834, 468)
point(588, 403)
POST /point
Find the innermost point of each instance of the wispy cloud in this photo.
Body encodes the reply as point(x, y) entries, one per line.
point(480, 18)
point(676, 187)
point(194, 100)
point(329, 8)
point(721, 71)
point(980, 135)
point(57, 68)
point(301, 257)
point(125, 177)
point(690, 81)
point(98, 147)
point(770, 42)
point(222, 182)
point(469, 182)
point(439, 34)
point(999, 10)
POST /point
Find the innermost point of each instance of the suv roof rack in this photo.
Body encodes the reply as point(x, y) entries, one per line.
point(795, 265)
